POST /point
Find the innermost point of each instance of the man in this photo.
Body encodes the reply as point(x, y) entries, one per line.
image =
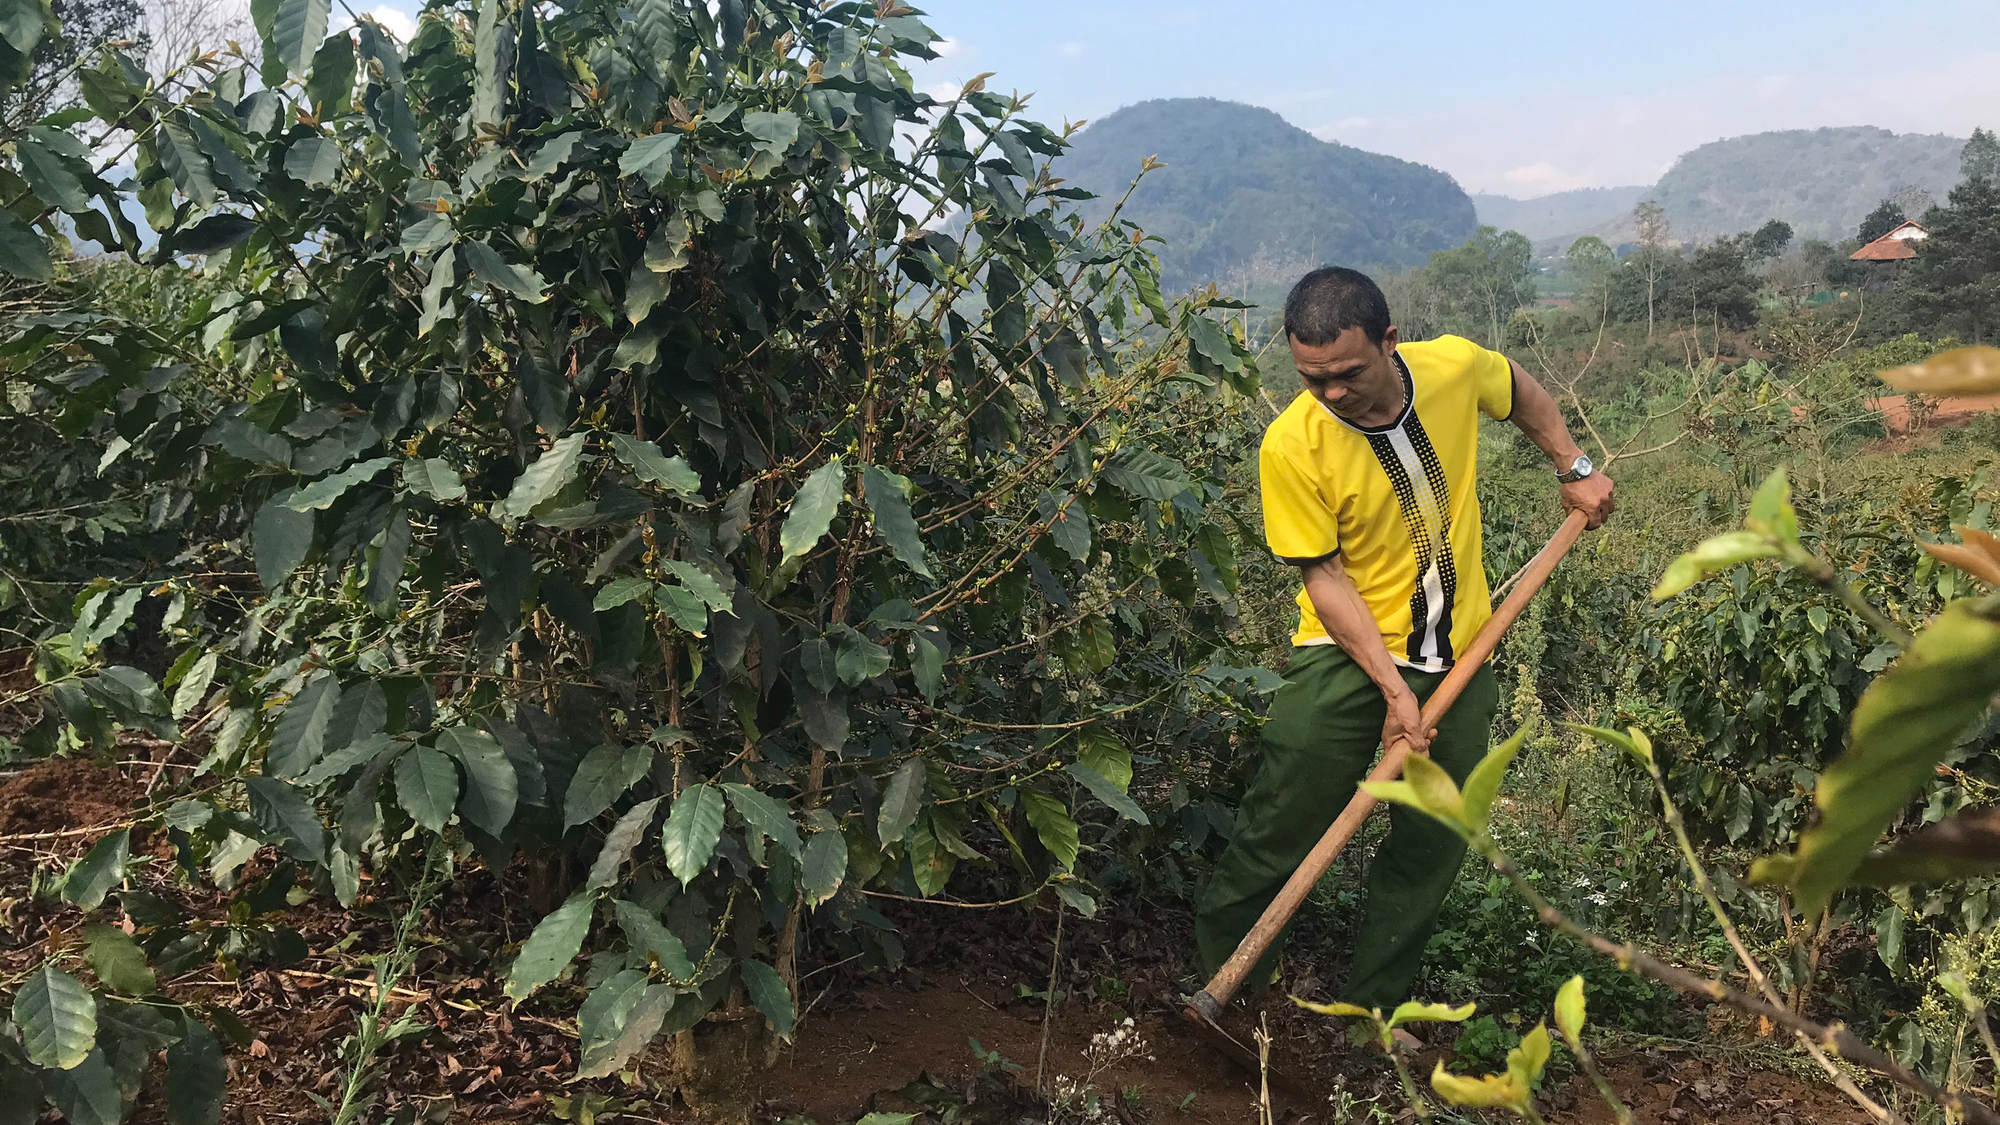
point(1367, 482)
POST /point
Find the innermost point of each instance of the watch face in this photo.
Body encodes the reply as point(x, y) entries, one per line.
point(1581, 466)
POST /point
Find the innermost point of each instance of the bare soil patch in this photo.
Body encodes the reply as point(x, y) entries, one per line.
point(888, 1039)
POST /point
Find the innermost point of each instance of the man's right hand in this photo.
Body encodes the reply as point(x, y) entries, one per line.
point(1405, 720)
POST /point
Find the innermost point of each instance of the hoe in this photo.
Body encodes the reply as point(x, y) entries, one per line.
point(1205, 1007)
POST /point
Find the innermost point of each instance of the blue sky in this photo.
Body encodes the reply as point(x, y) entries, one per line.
point(1520, 99)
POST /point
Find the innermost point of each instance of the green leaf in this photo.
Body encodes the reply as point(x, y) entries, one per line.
point(1906, 723)
point(102, 868)
point(858, 659)
point(654, 467)
point(1069, 524)
point(486, 265)
point(297, 31)
point(1104, 789)
point(554, 944)
point(766, 815)
point(434, 477)
point(813, 509)
point(619, 842)
point(88, 1093)
point(50, 176)
point(492, 788)
point(1145, 474)
point(427, 786)
point(698, 582)
point(23, 253)
point(299, 739)
point(539, 482)
point(194, 685)
point(281, 537)
point(197, 1075)
point(693, 829)
point(282, 811)
point(601, 778)
point(645, 934)
point(888, 496)
point(768, 992)
point(771, 132)
point(1052, 824)
point(1713, 556)
point(601, 1022)
point(313, 160)
point(824, 866)
point(927, 666)
point(189, 167)
point(117, 960)
point(1569, 1010)
point(1101, 751)
point(57, 1016)
point(1483, 784)
point(23, 23)
point(1771, 512)
point(900, 802)
point(650, 158)
point(1640, 751)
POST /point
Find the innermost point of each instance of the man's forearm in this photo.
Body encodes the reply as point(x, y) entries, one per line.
point(1340, 608)
point(1536, 415)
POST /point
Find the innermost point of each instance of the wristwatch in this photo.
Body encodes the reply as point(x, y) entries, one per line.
point(1578, 469)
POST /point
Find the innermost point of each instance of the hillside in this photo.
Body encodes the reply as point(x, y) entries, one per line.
point(1821, 181)
point(1248, 198)
point(1562, 213)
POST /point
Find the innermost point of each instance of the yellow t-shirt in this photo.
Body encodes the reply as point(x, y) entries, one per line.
point(1396, 502)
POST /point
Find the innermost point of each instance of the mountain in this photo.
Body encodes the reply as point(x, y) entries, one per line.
point(1564, 212)
point(1247, 198)
point(1821, 181)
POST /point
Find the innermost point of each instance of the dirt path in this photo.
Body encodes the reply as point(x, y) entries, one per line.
point(900, 1040)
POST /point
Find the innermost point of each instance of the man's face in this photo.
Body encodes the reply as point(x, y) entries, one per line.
point(1354, 378)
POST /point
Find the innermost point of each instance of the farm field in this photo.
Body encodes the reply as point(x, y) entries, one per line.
point(596, 563)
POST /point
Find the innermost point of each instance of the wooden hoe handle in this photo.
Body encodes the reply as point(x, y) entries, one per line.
point(1227, 980)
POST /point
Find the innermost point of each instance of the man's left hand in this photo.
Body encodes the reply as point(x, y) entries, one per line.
point(1592, 497)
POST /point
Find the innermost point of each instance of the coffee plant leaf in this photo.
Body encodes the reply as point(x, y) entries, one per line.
point(555, 942)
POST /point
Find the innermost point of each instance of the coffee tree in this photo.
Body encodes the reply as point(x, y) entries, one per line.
point(671, 451)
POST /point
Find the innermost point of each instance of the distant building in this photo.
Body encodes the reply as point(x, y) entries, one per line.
point(1895, 246)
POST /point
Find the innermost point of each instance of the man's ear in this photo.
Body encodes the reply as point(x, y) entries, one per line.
point(1389, 339)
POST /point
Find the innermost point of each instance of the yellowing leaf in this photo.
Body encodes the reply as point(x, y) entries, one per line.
point(1413, 1012)
point(1434, 788)
point(1960, 371)
point(1494, 1091)
point(1335, 1009)
point(1569, 1009)
point(1526, 1062)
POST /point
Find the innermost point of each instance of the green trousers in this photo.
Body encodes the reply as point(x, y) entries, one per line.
point(1319, 743)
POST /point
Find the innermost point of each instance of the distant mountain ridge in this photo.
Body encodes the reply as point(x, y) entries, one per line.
point(1247, 198)
point(1564, 212)
point(1821, 181)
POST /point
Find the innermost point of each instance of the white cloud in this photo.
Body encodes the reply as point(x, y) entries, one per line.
point(1553, 140)
point(395, 21)
point(948, 48)
point(398, 23)
point(1070, 49)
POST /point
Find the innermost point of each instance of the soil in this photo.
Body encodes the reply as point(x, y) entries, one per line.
point(900, 1040)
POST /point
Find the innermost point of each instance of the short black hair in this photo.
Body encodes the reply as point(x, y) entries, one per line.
point(1332, 299)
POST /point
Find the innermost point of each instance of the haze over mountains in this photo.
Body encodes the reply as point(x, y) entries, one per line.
point(1249, 199)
